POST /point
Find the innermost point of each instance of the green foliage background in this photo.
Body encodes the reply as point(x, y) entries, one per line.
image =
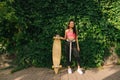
point(27, 28)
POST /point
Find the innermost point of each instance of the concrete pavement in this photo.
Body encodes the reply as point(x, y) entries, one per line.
point(105, 73)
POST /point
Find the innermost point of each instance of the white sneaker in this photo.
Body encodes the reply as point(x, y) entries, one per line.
point(69, 71)
point(79, 71)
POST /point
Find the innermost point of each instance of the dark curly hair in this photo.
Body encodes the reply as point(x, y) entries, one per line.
point(74, 28)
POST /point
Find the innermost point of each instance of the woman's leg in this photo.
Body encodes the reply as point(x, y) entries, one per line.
point(76, 54)
point(67, 56)
point(67, 53)
point(77, 57)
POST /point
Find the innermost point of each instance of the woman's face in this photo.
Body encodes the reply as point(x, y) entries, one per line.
point(71, 24)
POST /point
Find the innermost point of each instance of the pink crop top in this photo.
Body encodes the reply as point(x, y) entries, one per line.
point(70, 34)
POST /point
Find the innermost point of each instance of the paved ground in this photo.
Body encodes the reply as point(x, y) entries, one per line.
point(105, 73)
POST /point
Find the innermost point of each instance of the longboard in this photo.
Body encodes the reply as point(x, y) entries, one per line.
point(56, 54)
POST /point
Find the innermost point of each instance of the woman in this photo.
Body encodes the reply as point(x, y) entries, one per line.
point(72, 46)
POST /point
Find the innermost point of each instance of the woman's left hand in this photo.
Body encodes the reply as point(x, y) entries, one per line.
point(78, 48)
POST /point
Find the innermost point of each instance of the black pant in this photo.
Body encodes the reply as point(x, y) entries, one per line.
point(74, 51)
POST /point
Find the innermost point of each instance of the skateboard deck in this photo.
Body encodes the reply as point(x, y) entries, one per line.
point(56, 54)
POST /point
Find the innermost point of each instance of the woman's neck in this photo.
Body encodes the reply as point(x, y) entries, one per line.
point(70, 29)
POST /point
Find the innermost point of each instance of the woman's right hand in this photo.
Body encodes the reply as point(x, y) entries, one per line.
point(56, 37)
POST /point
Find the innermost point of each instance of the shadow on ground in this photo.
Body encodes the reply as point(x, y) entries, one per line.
point(114, 76)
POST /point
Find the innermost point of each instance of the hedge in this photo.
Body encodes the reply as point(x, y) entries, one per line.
point(28, 26)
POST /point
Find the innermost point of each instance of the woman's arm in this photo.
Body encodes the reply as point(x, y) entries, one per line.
point(64, 38)
point(77, 43)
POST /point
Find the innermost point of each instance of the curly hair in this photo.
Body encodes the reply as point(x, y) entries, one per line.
point(74, 28)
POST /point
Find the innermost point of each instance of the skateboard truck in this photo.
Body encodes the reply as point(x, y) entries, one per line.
point(56, 68)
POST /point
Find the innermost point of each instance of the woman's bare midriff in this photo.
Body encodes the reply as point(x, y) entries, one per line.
point(71, 39)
